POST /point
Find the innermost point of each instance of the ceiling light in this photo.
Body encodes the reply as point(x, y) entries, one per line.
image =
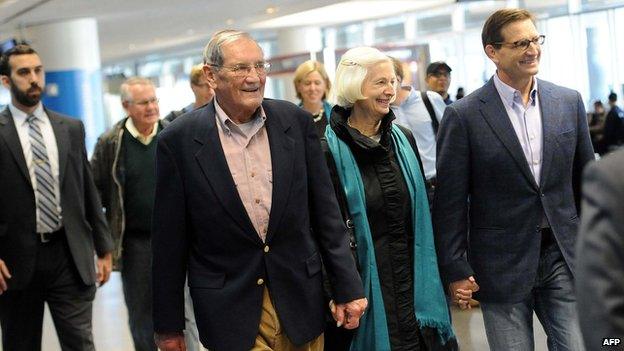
point(357, 10)
point(271, 10)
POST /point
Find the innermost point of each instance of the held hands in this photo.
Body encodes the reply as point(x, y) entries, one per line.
point(104, 267)
point(4, 275)
point(461, 292)
point(170, 341)
point(348, 314)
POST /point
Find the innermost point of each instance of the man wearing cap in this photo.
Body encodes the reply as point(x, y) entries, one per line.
point(438, 79)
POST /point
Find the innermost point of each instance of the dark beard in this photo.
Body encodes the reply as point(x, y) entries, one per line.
point(23, 97)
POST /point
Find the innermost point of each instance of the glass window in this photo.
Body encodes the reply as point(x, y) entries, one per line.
point(434, 24)
point(547, 8)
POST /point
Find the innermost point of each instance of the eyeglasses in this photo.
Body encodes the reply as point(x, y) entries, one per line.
point(243, 70)
point(144, 103)
point(524, 43)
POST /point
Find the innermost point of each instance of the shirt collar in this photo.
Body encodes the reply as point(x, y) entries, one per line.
point(228, 125)
point(20, 116)
point(510, 94)
point(137, 135)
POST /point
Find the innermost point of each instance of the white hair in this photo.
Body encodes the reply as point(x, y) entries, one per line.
point(125, 86)
point(213, 54)
point(351, 72)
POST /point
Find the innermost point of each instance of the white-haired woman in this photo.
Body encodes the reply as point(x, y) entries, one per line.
point(378, 178)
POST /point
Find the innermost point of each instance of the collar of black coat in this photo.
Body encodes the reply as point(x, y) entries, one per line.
point(351, 136)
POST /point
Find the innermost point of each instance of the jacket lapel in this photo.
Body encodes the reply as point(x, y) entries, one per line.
point(282, 162)
point(9, 133)
point(496, 116)
point(551, 119)
point(213, 164)
point(62, 142)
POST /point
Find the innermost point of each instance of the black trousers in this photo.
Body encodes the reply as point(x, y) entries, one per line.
point(55, 281)
point(136, 275)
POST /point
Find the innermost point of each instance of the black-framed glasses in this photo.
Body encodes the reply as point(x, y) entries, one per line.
point(144, 103)
point(524, 43)
point(244, 70)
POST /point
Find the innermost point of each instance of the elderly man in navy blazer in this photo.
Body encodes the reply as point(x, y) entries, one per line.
point(510, 159)
point(244, 202)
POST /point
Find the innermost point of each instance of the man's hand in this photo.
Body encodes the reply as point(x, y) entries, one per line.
point(461, 291)
point(104, 268)
point(4, 275)
point(170, 341)
point(348, 314)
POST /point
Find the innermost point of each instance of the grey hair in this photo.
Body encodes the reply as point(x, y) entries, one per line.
point(125, 86)
point(213, 55)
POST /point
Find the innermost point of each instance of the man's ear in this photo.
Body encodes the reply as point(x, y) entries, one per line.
point(491, 53)
point(6, 82)
point(210, 75)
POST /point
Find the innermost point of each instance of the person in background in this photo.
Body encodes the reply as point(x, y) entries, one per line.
point(600, 263)
point(438, 79)
point(244, 203)
point(421, 113)
point(596, 120)
point(51, 220)
point(613, 135)
point(312, 85)
point(460, 93)
point(377, 171)
point(506, 208)
point(201, 89)
point(123, 169)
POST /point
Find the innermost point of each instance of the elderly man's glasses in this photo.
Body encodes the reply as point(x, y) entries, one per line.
point(144, 103)
point(242, 70)
point(524, 43)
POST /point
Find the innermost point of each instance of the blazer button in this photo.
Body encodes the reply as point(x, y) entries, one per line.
point(266, 248)
point(260, 281)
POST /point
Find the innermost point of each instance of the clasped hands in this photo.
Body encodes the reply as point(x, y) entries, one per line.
point(461, 291)
point(348, 314)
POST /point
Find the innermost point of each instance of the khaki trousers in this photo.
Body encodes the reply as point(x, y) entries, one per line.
point(271, 337)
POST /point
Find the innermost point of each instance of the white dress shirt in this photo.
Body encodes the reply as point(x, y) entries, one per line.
point(526, 121)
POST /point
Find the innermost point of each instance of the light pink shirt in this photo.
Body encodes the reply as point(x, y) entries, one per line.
point(247, 152)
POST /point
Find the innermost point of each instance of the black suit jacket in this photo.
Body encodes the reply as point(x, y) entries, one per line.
point(488, 207)
point(600, 252)
point(83, 220)
point(200, 222)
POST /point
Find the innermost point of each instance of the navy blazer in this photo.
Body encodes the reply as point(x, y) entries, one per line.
point(201, 223)
point(85, 226)
point(488, 207)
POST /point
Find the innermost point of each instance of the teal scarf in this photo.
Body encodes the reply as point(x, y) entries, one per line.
point(429, 300)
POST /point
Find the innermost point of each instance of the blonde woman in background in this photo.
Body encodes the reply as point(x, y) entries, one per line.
point(312, 85)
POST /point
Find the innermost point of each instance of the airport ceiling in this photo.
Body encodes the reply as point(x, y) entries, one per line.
point(135, 28)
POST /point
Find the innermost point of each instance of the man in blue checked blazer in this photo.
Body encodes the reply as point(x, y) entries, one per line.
point(506, 208)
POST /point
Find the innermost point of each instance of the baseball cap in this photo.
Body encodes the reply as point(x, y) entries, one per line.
point(435, 66)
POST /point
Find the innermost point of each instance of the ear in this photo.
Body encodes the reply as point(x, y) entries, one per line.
point(125, 105)
point(6, 82)
point(210, 75)
point(491, 53)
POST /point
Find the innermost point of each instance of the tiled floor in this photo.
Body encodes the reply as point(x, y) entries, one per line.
point(112, 334)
